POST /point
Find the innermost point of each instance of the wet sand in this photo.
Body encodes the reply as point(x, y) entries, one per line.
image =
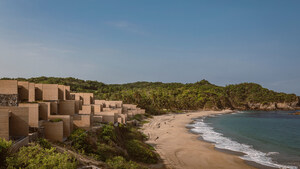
point(181, 149)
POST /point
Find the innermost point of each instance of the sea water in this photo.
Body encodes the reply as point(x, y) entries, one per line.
point(270, 138)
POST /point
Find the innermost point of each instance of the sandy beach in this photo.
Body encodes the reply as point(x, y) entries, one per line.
point(181, 149)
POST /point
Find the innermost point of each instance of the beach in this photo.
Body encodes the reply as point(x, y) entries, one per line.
point(180, 148)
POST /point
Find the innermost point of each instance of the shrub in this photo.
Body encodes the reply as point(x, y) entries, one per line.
point(79, 140)
point(108, 134)
point(4, 148)
point(44, 143)
point(55, 120)
point(119, 162)
point(133, 133)
point(141, 152)
point(105, 152)
point(34, 156)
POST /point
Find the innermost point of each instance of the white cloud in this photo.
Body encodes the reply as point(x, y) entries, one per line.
point(127, 26)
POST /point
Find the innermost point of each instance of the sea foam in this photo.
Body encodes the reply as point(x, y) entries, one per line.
point(208, 134)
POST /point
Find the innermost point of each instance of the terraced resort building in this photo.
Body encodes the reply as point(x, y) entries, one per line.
point(29, 111)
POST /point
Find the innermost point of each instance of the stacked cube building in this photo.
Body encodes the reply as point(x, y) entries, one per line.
point(52, 111)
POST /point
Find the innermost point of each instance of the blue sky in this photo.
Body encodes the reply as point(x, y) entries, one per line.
point(225, 42)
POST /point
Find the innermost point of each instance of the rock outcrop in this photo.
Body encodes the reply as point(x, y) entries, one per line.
point(8, 100)
point(268, 106)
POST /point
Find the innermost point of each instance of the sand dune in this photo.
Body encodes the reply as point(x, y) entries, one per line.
point(181, 149)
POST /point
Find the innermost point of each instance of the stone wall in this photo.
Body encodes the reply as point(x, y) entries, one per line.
point(8, 99)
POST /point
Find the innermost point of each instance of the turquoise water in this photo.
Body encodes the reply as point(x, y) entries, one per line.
point(270, 138)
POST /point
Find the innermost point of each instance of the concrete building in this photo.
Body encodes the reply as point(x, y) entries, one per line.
point(29, 111)
point(87, 109)
point(67, 107)
point(26, 91)
point(50, 92)
point(17, 120)
point(82, 121)
point(33, 114)
point(9, 93)
point(87, 98)
point(38, 91)
point(54, 131)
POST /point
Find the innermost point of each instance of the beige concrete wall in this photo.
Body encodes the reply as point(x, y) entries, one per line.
point(129, 106)
point(113, 104)
point(97, 108)
point(67, 107)
point(50, 92)
point(97, 119)
point(38, 91)
point(86, 109)
point(123, 118)
point(68, 90)
point(117, 110)
point(53, 108)
point(82, 121)
point(4, 123)
point(23, 90)
point(76, 96)
point(78, 106)
point(61, 92)
point(31, 92)
point(110, 104)
point(18, 123)
point(33, 113)
point(53, 131)
point(102, 102)
point(8, 87)
point(67, 123)
point(108, 117)
point(120, 120)
point(87, 98)
point(107, 109)
point(44, 110)
point(142, 111)
point(129, 114)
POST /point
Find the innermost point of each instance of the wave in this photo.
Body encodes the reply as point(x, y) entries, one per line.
point(208, 134)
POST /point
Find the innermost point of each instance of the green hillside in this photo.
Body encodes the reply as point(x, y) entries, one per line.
point(157, 97)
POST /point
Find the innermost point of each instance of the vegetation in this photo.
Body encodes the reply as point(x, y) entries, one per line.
point(119, 162)
point(4, 151)
point(55, 120)
point(35, 156)
point(157, 97)
point(141, 152)
point(119, 146)
point(44, 143)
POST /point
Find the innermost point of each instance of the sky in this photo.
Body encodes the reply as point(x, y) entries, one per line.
point(224, 42)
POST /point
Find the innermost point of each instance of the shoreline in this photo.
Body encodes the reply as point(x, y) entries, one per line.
point(180, 148)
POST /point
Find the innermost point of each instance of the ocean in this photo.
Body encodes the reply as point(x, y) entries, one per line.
point(269, 138)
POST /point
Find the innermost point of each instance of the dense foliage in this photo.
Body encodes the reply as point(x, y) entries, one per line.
point(157, 97)
point(4, 151)
point(120, 146)
point(35, 156)
point(119, 162)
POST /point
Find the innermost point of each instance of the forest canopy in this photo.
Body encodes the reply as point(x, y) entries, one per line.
point(158, 97)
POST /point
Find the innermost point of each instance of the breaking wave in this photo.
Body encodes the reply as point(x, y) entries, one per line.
point(208, 134)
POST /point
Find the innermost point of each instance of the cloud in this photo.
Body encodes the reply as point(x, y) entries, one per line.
point(127, 26)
